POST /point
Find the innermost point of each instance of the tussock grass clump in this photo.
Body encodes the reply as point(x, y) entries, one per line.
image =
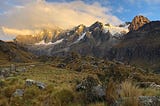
point(126, 93)
point(128, 89)
point(111, 94)
point(129, 93)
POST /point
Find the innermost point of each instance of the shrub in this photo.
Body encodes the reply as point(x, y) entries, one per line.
point(9, 91)
point(63, 97)
point(31, 92)
point(16, 101)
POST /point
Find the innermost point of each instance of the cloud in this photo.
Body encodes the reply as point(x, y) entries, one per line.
point(20, 16)
point(11, 31)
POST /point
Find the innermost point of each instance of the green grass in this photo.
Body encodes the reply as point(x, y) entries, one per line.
point(61, 83)
point(60, 78)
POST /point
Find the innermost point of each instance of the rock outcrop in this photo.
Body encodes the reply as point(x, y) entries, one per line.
point(140, 46)
point(93, 90)
point(138, 22)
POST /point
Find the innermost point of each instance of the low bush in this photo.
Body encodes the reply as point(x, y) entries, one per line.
point(31, 92)
point(63, 97)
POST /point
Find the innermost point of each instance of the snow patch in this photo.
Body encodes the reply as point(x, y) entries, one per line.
point(57, 42)
point(49, 43)
point(114, 30)
point(81, 37)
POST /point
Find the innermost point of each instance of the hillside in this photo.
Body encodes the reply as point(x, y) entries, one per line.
point(76, 81)
point(11, 52)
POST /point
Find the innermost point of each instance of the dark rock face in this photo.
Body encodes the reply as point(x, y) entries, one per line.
point(141, 46)
point(138, 22)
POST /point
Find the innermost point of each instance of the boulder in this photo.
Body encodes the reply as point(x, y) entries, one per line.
point(87, 83)
point(92, 89)
point(143, 101)
point(18, 92)
point(40, 85)
point(152, 85)
point(149, 100)
point(99, 91)
point(62, 65)
point(30, 82)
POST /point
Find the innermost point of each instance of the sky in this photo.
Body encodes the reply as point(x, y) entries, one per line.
point(24, 17)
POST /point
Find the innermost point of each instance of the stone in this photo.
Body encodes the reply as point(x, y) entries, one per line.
point(144, 84)
point(92, 89)
point(154, 86)
point(30, 82)
point(99, 91)
point(40, 85)
point(143, 101)
point(61, 65)
point(87, 83)
point(149, 100)
point(18, 92)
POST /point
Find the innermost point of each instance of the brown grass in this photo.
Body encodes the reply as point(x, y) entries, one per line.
point(129, 93)
point(111, 94)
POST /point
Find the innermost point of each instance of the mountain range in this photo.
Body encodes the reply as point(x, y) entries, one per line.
point(135, 42)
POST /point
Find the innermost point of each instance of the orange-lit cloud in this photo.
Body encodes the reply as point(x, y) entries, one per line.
point(36, 14)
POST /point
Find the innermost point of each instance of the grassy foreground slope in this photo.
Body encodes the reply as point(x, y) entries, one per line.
point(61, 75)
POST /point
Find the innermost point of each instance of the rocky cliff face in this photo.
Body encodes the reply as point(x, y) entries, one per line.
point(138, 22)
point(140, 47)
